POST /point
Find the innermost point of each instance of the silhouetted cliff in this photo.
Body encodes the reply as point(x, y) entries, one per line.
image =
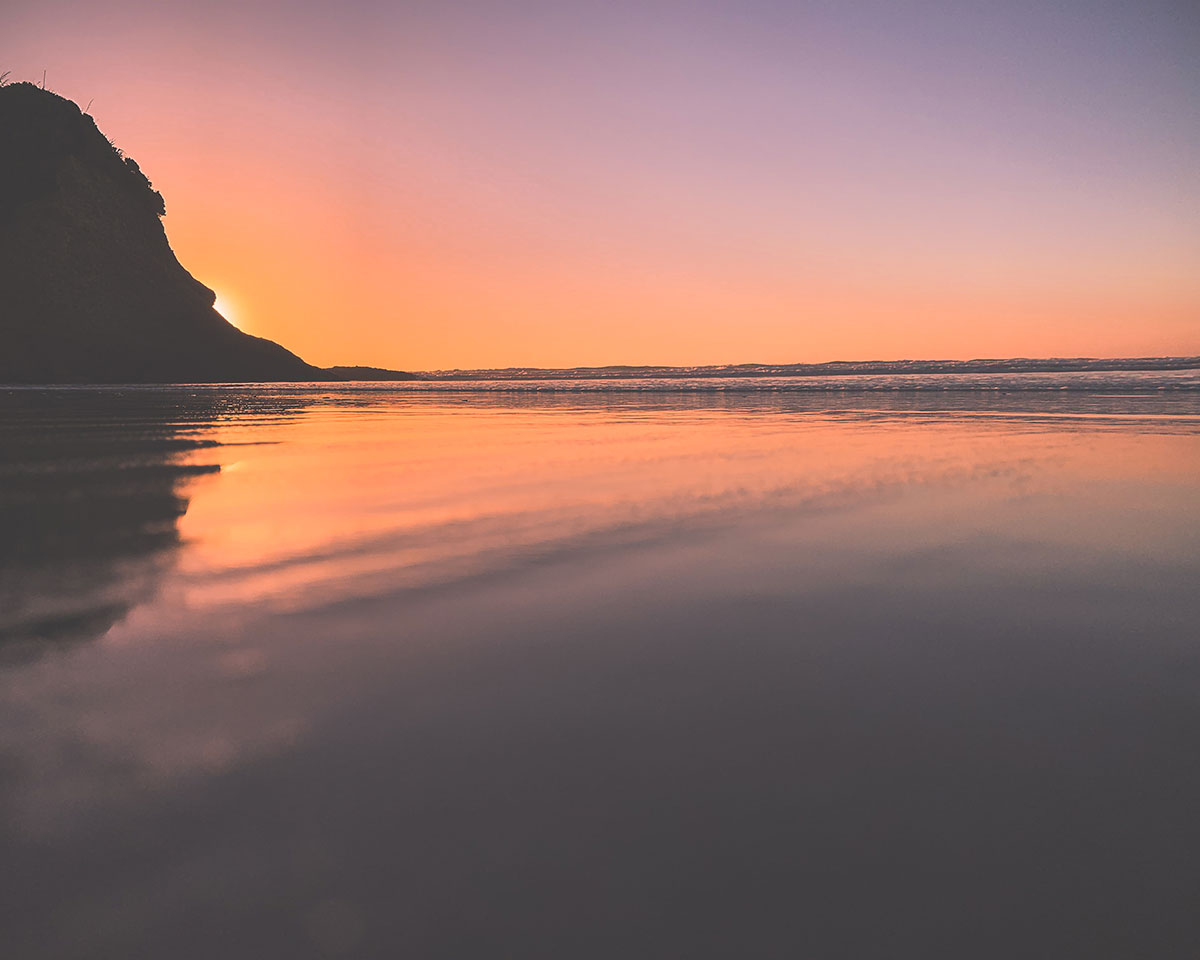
point(90, 291)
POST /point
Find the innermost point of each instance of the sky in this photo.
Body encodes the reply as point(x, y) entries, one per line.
point(438, 185)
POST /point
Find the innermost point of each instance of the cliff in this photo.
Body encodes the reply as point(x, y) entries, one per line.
point(90, 290)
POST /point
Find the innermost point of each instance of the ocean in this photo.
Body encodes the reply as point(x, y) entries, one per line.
point(876, 666)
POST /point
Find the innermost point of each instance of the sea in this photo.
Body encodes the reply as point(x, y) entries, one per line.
point(879, 666)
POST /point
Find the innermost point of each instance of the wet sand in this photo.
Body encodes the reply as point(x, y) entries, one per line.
point(370, 672)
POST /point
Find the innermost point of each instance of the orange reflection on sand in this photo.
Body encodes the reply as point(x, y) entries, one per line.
point(352, 502)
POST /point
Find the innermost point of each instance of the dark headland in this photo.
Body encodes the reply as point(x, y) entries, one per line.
point(90, 290)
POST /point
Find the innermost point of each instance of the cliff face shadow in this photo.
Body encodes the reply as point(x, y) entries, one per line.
point(91, 488)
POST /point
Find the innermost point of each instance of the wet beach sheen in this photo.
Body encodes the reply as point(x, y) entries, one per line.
point(662, 671)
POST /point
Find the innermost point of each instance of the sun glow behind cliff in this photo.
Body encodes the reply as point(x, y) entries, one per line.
point(226, 308)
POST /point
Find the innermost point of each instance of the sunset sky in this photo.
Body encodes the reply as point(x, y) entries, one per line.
point(433, 185)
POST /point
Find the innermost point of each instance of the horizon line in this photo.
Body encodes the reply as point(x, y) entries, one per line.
point(1054, 364)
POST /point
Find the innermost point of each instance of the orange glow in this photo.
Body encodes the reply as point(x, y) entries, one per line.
point(226, 308)
point(463, 487)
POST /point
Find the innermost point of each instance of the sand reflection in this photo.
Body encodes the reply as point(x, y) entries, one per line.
point(541, 662)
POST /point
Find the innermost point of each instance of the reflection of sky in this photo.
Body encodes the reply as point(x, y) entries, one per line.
point(475, 184)
point(418, 675)
point(341, 523)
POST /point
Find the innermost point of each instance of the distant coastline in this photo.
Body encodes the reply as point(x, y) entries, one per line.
point(831, 369)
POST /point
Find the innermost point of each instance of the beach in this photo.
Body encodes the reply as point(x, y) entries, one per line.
point(596, 670)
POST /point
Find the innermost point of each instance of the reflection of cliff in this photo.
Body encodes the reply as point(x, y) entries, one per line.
point(90, 492)
point(92, 485)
